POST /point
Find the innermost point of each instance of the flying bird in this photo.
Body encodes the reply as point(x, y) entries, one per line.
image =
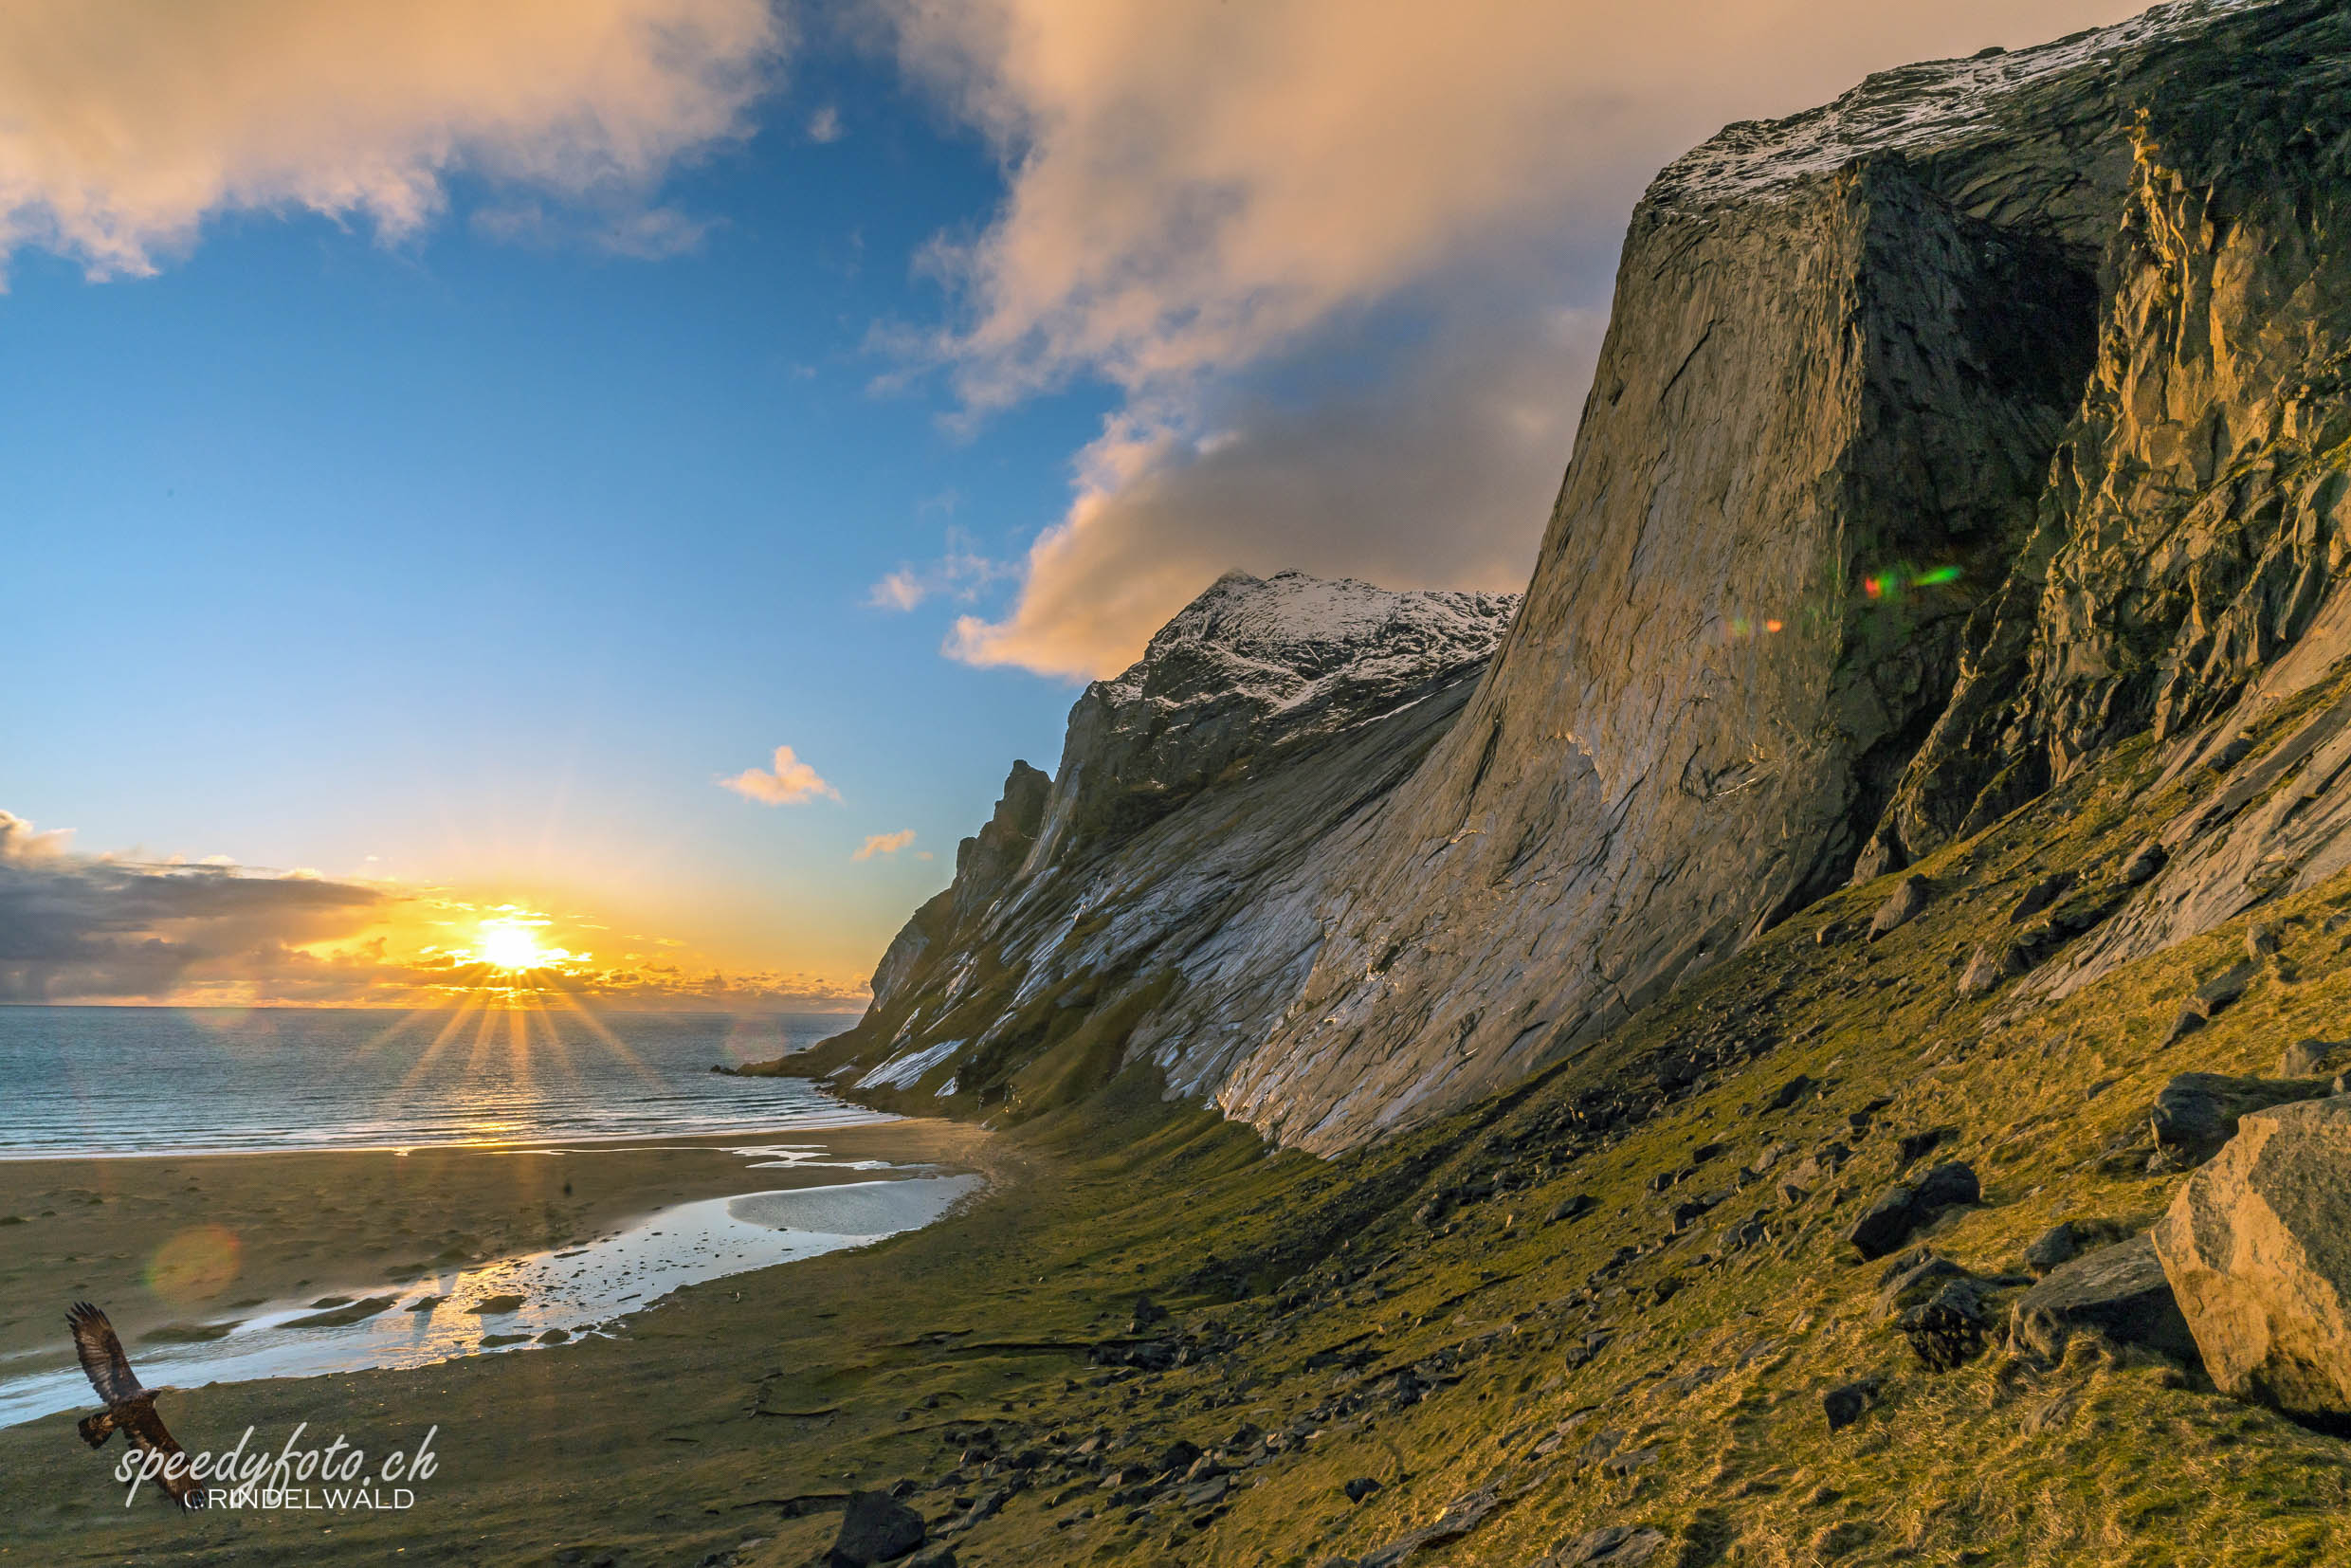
point(130, 1406)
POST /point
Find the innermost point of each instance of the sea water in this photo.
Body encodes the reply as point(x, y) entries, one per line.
point(113, 1081)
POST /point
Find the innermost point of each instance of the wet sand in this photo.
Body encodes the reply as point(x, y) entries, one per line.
point(175, 1247)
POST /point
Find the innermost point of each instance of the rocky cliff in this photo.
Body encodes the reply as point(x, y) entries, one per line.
point(1944, 438)
point(1160, 898)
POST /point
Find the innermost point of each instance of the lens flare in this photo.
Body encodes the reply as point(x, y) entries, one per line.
point(197, 1263)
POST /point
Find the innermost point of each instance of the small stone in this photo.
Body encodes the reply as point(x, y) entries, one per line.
point(1788, 1093)
point(1359, 1489)
point(1990, 965)
point(1948, 1329)
point(1572, 1208)
point(2260, 942)
point(2314, 1059)
point(2041, 895)
point(2144, 864)
point(1844, 1404)
point(875, 1527)
point(2215, 994)
point(2060, 1244)
point(2189, 1021)
point(1907, 902)
point(1610, 1546)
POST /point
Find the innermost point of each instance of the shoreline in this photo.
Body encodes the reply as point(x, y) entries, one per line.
point(859, 1117)
point(173, 1244)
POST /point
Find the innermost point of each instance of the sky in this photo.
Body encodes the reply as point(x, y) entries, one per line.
point(639, 471)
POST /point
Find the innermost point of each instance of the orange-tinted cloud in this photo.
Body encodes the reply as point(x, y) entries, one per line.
point(129, 122)
point(1201, 190)
point(884, 844)
point(791, 782)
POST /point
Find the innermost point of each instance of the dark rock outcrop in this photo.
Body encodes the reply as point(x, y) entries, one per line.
point(875, 1527)
point(1903, 1208)
point(2118, 1292)
point(2197, 1112)
point(2257, 1247)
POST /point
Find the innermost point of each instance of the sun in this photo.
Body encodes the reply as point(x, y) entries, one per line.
point(510, 944)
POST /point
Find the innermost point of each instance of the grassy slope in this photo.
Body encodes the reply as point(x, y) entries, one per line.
point(1323, 1285)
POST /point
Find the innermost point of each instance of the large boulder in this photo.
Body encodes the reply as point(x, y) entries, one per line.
point(2197, 1112)
point(2118, 1292)
point(2257, 1247)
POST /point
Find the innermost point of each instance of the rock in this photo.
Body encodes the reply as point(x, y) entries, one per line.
point(1147, 1313)
point(941, 1555)
point(1820, 1165)
point(1914, 1278)
point(2197, 1112)
point(2189, 1021)
point(2060, 1244)
point(1572, 1208)
point(1788, 1093)
point(1917, 1146)
point(2260, 942)
point(1989, 965)
point(1463, 1515)
point(1907, 902)
point(2144, 864)
point(2118, 1292)
point(1610, 1546)
point(875, 1527)
point(1845, 1404)
point(1359, 1489)
point(2257, 1247)
point(2041, 895)
point(2215, 994)
point(1905, 1206)
point(1949, 1328)
point(2314, 1059)
point(1178, 1457)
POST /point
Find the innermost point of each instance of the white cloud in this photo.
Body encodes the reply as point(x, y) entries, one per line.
point(790, 782)
point(128, 123)
point(884, 844)
point(825, 125)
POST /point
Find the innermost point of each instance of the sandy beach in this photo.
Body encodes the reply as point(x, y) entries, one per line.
point(176, 1247)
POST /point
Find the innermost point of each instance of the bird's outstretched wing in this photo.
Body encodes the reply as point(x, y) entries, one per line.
point(147, 1433)
point(101, 1354)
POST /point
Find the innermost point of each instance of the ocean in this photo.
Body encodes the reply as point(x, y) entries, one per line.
point(106, 1080)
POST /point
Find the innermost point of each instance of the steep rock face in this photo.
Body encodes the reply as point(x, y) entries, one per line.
point(1158, 900)
point(2192, 529)
point(1845, 351)
point(985, 864)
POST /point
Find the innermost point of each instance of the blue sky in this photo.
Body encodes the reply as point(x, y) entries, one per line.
point(442, 441)
point(485, 559)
